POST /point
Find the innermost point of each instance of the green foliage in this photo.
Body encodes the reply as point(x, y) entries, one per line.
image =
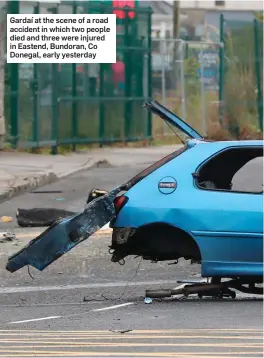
point(240, 43)
point(259, 15)
point(7, 96)
point(192, 85)
point(240, 85)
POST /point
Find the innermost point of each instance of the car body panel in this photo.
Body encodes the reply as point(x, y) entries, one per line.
point(226, 225)
point(65, 234)
point(231, 269)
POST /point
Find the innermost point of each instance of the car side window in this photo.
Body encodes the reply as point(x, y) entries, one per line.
point(234, 169)
point(250, 177)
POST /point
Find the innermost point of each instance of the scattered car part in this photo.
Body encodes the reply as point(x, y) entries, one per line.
point(38, 217)
point(217, 290)
point(43, 217)
point(7, 236)
point(192, 281)
point(64, 234)
point(95, 193)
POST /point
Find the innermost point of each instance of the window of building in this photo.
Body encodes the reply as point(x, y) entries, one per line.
point(219, 3)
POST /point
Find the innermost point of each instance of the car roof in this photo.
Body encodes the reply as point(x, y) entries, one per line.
point(229, 143)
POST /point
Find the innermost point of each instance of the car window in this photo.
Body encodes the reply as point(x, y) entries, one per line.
point(250, 177)
point(234, 169)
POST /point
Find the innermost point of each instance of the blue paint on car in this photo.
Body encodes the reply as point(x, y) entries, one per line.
point(227, 226)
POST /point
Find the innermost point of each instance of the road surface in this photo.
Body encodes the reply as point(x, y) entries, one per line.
point(85, 306)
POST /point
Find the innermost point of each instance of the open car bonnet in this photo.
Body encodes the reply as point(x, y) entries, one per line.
point(66, 233)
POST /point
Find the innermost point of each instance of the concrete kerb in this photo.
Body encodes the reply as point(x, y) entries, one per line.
point(43, 179)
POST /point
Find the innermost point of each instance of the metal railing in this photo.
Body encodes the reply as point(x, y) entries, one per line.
point(52, 104)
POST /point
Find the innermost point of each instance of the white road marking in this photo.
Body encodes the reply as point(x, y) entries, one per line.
point(113, 307)
point(35, 319)
point(16, 289)
point(54, 317)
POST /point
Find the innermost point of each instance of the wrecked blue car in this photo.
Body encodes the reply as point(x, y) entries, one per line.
point(183, 206)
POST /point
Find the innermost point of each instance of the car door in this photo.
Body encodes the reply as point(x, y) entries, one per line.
point(230, 222)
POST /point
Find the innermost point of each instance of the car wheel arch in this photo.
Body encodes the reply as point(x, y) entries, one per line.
point(165, 233)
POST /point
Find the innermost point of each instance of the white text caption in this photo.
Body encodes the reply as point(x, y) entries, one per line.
point(63, 38)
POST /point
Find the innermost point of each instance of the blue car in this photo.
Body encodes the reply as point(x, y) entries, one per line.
point(183, 206)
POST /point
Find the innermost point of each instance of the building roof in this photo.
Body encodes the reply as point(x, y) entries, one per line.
point(158, 7)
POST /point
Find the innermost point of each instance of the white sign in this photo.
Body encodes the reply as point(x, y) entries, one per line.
point(64, 38)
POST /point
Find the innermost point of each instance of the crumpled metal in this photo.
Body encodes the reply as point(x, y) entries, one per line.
point(7, 236)
point(65, 234)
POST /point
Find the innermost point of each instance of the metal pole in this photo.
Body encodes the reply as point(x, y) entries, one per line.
point(36, 96)
point(221, 70)
point(127, 107)
point(204, 129)
point(183, 103)
point(149, 126)
point(258, 75)
point(163, 88)
point(14, 8)
point(163, 80)
point(55, 102)
point(74, 118)
point(163, 49)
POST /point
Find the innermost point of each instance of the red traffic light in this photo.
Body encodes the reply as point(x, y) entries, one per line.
point(120, 14)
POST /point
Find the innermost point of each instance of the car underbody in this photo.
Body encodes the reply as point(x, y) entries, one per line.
point(156, 242)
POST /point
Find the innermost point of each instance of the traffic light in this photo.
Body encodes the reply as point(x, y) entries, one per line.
point(120, 14)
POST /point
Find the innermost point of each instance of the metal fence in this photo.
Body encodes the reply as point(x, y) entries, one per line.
point(210, 83)
point(185, 77)
point(241, 75)
point(204, 82)
point(50, 104)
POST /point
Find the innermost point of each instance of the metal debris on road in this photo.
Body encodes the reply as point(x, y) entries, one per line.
point(38, 217)
point(65, 234)
point(7, 236)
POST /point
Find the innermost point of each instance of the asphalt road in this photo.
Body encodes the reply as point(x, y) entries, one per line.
point(80, 305)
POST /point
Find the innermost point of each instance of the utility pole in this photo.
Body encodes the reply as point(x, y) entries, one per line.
point(2, 71)
point(176, 36)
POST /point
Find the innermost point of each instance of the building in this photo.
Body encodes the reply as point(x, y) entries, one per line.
point(200, 19)
point(228, 5)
